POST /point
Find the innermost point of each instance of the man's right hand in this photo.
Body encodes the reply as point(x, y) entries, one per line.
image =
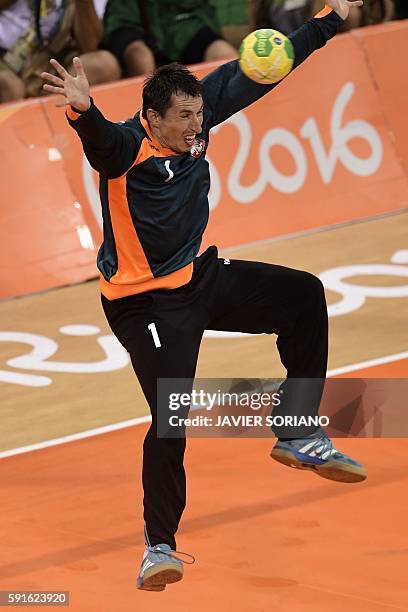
point(75, 89)
point(342, 7)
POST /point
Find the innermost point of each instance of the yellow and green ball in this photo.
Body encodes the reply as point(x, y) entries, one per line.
point(266, 56)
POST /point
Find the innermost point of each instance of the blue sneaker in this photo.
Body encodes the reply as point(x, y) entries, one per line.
point(317, 453)
point(159, 567)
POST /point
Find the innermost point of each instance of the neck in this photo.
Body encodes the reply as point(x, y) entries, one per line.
point(157, 135)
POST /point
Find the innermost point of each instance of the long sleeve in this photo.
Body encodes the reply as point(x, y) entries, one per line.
point(227, 90)
point(110, 148)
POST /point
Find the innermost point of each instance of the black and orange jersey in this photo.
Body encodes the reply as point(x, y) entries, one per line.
point(154, 200)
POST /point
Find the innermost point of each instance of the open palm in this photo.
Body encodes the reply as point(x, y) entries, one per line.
point(75, 89)
point(342, 7)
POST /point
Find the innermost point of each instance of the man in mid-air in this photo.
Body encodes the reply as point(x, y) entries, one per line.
point(157, 293)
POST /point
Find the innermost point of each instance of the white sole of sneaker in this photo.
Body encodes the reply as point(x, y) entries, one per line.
point(330, 470)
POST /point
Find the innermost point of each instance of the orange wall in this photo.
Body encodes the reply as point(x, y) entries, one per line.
point(328, 145)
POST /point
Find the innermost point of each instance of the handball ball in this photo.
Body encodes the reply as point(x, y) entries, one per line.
point(266, 56)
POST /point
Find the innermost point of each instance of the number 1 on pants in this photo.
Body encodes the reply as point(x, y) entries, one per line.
point(153, 330)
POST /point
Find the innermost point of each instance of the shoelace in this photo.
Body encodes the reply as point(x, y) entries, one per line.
point(170, 553)
point(325, 449)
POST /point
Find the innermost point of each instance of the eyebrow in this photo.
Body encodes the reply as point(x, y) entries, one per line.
point(188, 110)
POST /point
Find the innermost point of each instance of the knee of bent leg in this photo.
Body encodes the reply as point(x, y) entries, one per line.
point(100, 67)
point(313, 286)
point(111, 69)
point(11, 86)
point(138, 58)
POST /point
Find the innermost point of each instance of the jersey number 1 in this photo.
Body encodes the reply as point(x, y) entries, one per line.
point(152, 328)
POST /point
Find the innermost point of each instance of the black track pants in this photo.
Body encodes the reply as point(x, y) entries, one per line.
point(229, 295)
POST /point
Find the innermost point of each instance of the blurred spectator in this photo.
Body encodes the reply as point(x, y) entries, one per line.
point(400, 9)
point(283, 15)
point(128, 35)
point(143, 33)
point(376, 11)
point(235, 18)
point(371, 13)
point(33, 32)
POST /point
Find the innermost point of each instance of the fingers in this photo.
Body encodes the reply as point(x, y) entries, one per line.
point(355, 2)
point(55, 90)
point(51, 77)
point(79, 67)
point(60, 69)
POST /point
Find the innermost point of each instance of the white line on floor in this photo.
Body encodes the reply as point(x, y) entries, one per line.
point(145, 419)
point(368, 364)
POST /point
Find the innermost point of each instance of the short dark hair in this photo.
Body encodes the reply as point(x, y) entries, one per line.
point(166, 81)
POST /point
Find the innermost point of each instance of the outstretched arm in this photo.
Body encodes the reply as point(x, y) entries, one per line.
point(110, 148)
point(227, 90)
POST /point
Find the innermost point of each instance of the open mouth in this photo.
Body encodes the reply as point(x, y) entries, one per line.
point(189, 140)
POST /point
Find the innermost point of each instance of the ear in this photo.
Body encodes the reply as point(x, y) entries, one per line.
point(153, 117)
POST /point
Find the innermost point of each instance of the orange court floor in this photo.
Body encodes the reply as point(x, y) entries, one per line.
point(264, 537)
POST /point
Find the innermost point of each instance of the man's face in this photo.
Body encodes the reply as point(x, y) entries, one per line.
point(180, 124)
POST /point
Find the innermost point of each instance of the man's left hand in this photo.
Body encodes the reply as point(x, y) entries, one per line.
point(342, 7)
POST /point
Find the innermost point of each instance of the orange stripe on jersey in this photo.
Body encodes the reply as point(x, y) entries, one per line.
point(71, 114)
point(148, 149)
point(325, 11)
point(157, 147)
point(133, 266)
point(170, 281)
